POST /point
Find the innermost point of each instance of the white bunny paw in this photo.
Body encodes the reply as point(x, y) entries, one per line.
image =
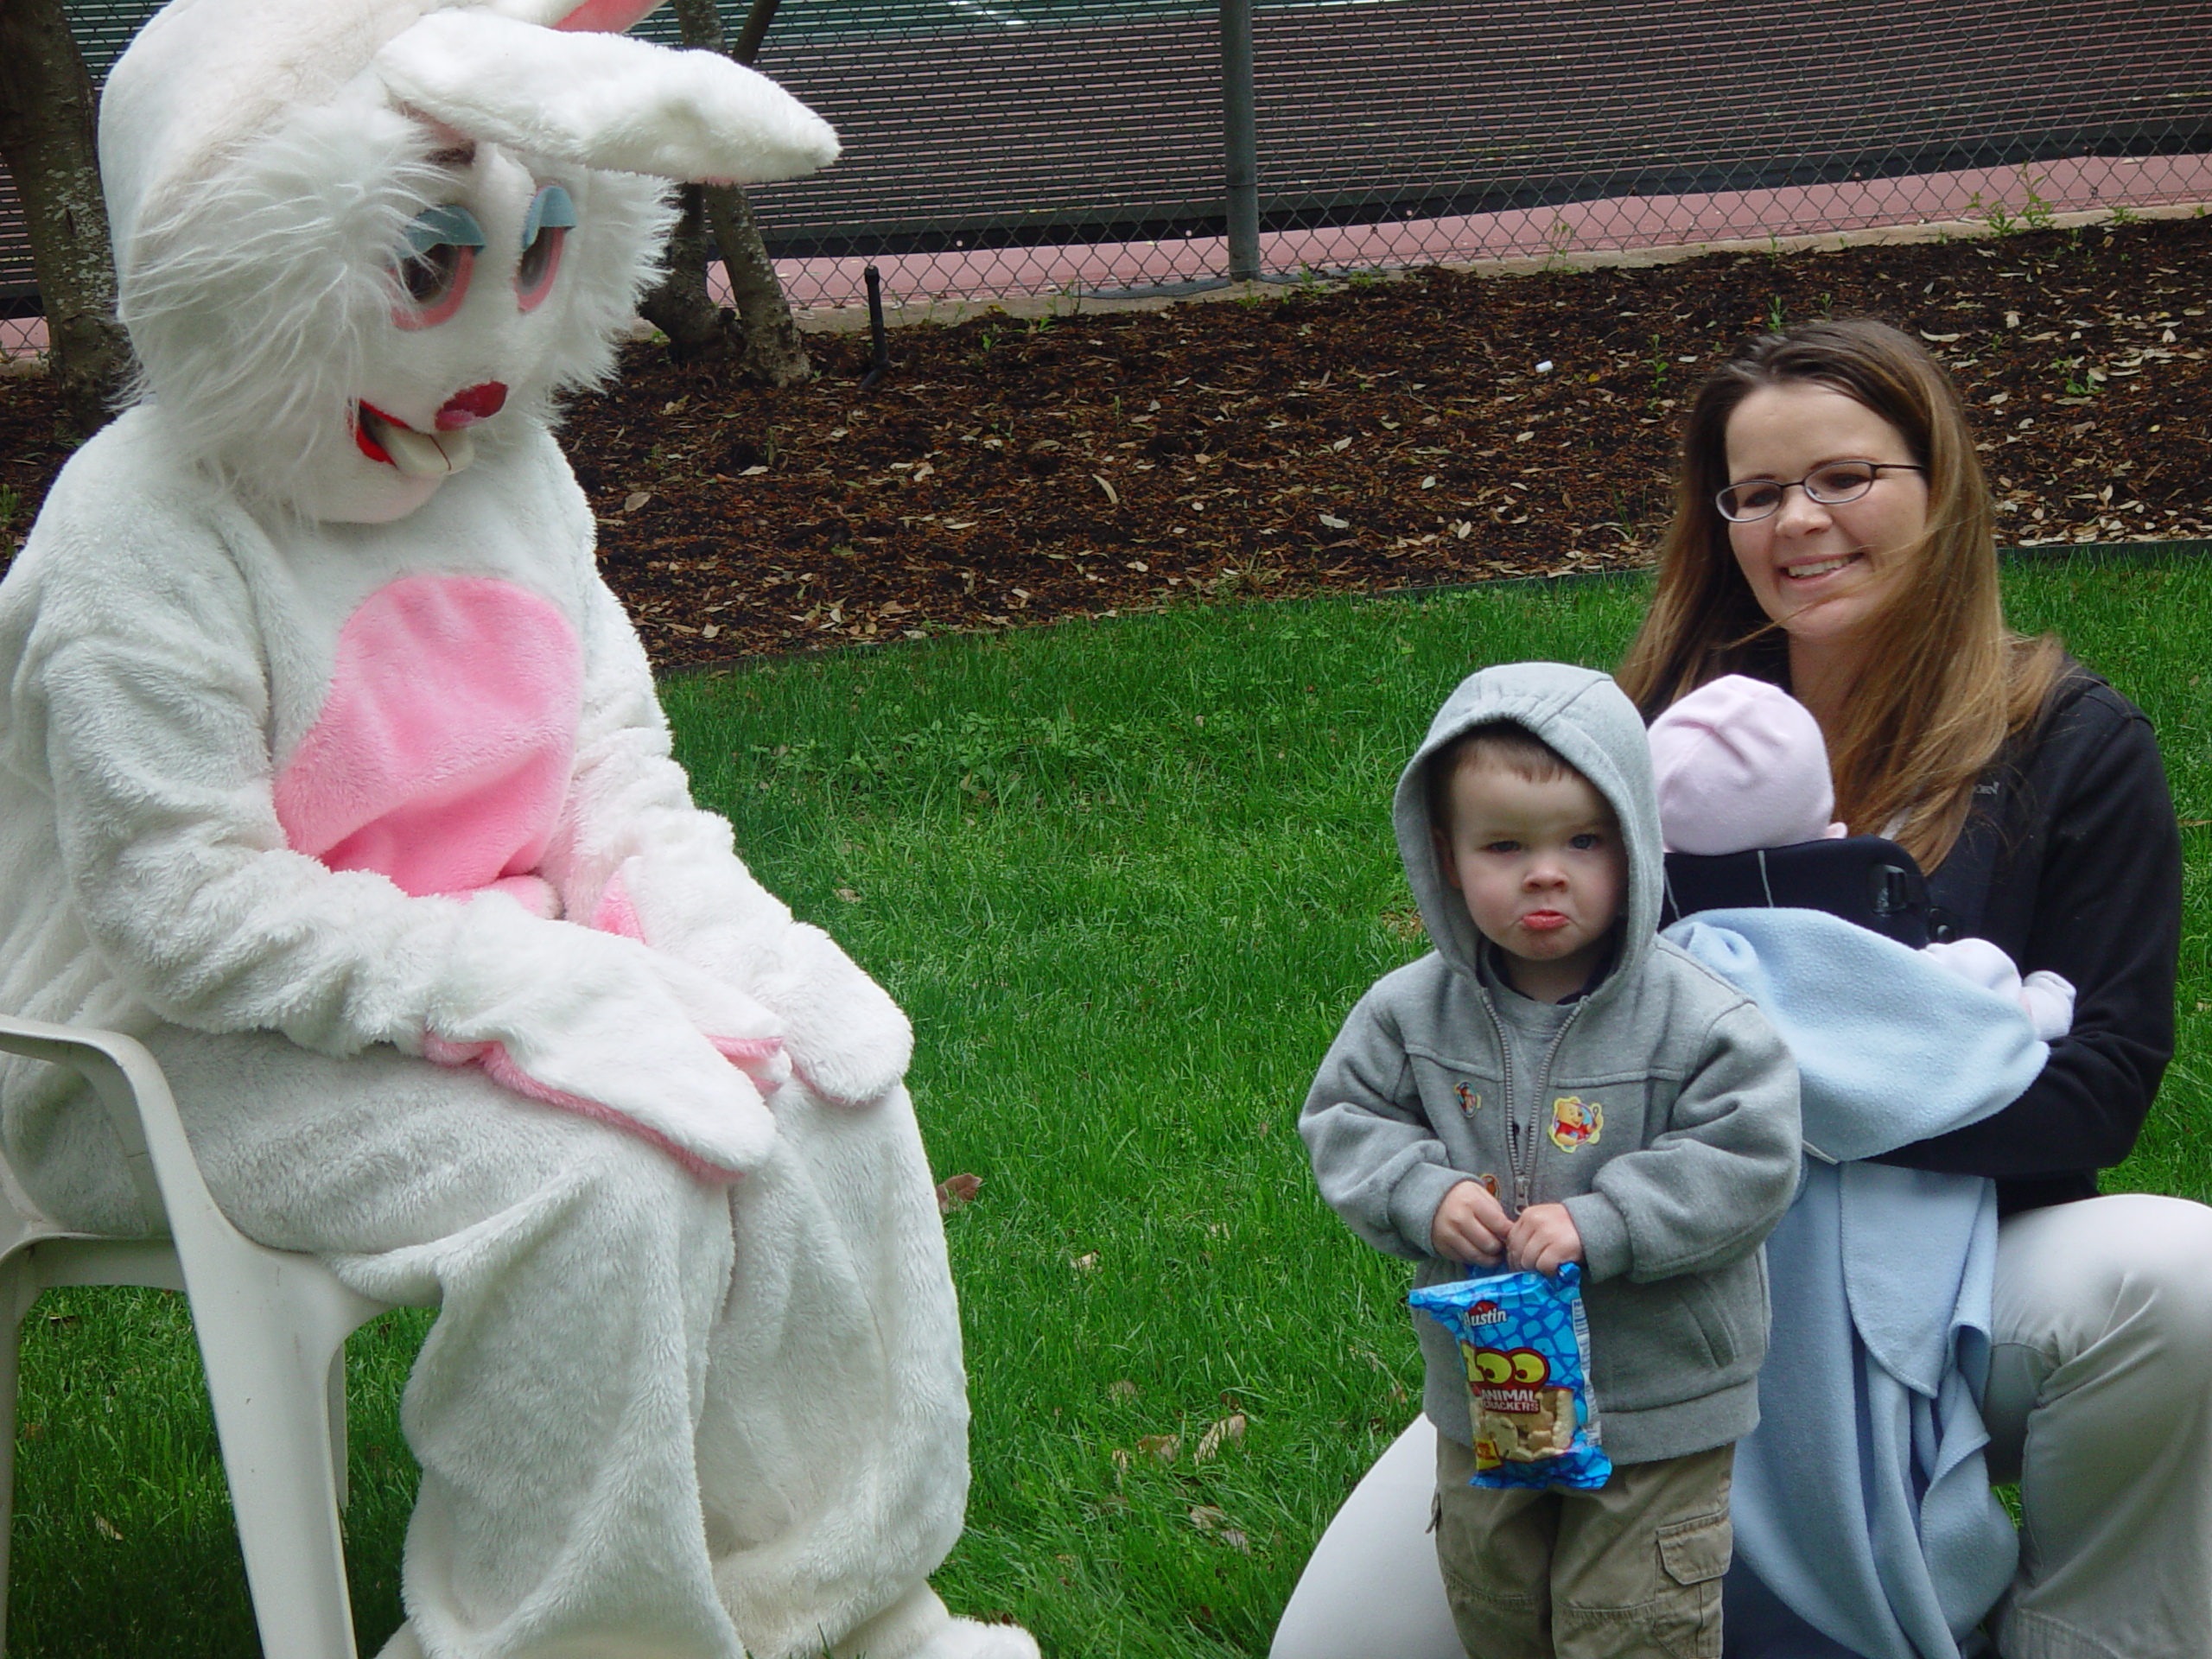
point(967, 1638)
point(917, 1626)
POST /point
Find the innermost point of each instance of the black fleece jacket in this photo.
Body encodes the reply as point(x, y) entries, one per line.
point(2071, 861)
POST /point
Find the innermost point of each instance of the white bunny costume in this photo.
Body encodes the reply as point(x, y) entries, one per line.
point(328, 766)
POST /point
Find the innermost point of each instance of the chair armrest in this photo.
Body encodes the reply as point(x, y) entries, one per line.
point(130, 1085)
point(223, 1269)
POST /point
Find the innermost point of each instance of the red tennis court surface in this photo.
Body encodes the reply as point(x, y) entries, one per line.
point(1976, 197)
point(831, 293)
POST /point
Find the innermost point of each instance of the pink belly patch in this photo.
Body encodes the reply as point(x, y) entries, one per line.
point(443, 754)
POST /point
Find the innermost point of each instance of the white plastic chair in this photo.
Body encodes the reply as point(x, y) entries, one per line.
point(272, 1328)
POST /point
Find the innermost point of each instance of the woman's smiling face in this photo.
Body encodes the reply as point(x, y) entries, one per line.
point(1821, 573)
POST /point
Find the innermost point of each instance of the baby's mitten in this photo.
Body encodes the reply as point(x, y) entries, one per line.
point(1979, 963)
point(2048, 999)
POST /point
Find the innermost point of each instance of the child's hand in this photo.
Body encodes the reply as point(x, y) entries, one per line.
point(1470, 1226)
point(1543, 1236)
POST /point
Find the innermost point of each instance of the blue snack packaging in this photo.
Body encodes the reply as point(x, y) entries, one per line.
point(1527, 1348)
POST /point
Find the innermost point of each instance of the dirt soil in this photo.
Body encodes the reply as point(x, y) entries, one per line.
point(1439, 428)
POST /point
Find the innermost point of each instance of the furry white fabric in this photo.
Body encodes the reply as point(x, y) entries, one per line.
point(604, 100)
point(328, 766)
point(651, 1410)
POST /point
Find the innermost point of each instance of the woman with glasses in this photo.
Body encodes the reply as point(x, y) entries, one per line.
point(1832, 535)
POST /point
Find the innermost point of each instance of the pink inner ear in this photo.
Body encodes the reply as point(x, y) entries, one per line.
point(605, 16)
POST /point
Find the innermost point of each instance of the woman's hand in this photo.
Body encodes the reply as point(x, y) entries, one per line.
point(1470, 1226)
point(1542, 1237)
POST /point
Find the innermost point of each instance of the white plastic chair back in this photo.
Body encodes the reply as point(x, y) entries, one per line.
point(272, 1328)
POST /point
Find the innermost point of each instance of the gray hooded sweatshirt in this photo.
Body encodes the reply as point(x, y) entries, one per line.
point(1664, 1114)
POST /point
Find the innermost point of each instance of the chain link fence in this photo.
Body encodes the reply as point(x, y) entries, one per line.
point(997, 148)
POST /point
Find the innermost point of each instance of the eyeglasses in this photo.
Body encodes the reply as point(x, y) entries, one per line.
point(1831, 485)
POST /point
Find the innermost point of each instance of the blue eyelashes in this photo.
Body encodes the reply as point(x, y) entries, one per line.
point(544, 231)
point(551, 207)
point(440, 251)
point(441, 248)
point(449, 224)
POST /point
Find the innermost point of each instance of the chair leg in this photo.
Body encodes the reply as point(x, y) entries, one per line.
point(268, 1378)
point(19, 1288)
point(335, 1407)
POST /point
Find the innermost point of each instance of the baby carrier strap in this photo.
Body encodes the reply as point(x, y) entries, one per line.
point(1862, 879)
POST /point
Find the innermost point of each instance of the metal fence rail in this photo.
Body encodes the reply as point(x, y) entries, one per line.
point(1005, 146)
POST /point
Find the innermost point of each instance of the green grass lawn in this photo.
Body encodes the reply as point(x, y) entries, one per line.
point(1128, 876)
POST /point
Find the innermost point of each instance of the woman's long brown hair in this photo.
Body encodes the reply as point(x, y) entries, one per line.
point(1945, 684)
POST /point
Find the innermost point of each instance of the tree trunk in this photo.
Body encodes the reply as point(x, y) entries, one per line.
point(46, 137)
point(698, 330)
point(774, 353)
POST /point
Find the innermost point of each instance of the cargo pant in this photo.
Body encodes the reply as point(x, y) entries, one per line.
point(1627, 1571)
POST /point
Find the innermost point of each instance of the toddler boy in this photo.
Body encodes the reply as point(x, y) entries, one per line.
point(1554, 1083)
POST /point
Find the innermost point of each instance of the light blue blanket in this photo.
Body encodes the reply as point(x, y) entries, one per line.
point(1862, 1501)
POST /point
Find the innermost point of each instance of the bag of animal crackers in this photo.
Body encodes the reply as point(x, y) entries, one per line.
point(1527, 1348)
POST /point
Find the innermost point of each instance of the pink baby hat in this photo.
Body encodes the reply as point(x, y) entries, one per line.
point(1740, 763)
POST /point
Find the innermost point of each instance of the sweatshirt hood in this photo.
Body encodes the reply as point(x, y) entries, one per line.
point(1594, 727)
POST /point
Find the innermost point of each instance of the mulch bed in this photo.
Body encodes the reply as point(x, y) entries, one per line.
point(1439, 428)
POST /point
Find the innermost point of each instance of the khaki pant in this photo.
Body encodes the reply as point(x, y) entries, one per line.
point(1633, 1569)
point(2100, 1403)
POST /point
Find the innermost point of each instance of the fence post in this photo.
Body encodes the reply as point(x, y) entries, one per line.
point(1240, 140)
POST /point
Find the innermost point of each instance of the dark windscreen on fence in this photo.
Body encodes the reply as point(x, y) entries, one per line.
point(1020, 124)
point(1098, 122)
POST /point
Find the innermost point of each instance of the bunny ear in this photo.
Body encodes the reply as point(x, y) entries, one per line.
point(605, 16)
point(577, 16)
point(603, 100)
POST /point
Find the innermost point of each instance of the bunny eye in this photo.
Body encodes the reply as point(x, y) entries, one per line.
point(433, 269)
point(552, 216)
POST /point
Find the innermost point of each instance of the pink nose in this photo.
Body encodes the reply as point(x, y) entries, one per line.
point(471, 405)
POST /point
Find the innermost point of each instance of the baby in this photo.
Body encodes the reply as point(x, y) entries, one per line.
point(1740, 763)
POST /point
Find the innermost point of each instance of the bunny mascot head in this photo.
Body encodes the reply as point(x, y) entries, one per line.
point(358, 242)
point(330, 769)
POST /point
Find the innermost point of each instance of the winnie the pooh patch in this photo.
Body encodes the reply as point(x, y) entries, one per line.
point(1576, 1122)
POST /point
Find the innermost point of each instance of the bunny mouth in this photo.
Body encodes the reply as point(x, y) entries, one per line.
point(416, 454)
